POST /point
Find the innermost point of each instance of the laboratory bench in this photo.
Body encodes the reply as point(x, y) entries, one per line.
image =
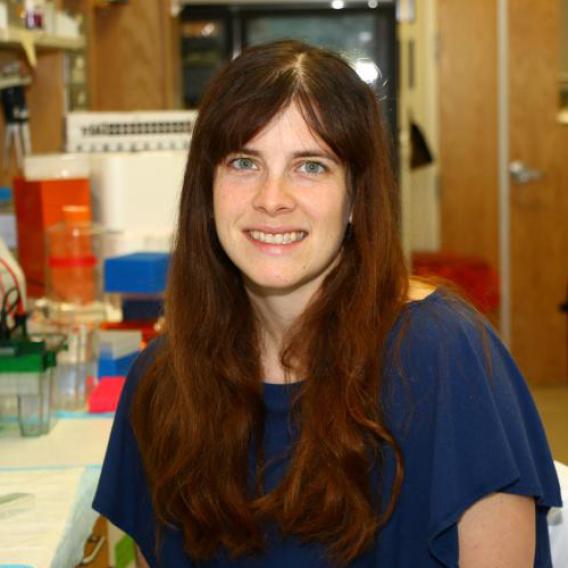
point(49, 522)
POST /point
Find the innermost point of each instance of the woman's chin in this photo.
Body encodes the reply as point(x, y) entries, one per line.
point(280, 285)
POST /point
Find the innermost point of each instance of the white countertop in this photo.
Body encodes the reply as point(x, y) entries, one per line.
point(60, 471)
point(72, 442)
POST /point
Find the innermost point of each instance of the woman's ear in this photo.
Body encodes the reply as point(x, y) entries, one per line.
point(349, 227)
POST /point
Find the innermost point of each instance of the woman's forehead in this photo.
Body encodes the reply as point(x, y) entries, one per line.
point(289, 129)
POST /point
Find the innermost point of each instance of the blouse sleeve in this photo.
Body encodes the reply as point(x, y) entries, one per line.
point(122, 495)
point(480, 432)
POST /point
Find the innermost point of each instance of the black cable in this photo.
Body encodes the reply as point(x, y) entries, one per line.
point(5, 328)
point(6, 296)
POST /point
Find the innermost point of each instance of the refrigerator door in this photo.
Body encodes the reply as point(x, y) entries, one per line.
point(205, 48)
point(365, 37)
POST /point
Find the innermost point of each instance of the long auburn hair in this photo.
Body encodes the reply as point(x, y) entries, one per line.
point(199, 405)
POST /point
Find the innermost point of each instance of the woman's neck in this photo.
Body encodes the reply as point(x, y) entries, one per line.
point(275, 314)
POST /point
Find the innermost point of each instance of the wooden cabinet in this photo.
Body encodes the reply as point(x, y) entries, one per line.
point(134, 57)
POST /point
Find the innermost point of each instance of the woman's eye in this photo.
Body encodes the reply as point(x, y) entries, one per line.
point(312, 168)
point(242, 164)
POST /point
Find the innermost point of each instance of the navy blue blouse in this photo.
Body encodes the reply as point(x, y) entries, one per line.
point(457, 405)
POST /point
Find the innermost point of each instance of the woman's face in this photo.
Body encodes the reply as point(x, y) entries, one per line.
point(281, 207)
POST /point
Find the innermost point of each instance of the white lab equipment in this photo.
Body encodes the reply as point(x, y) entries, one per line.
point(136, 163)
point(94, 132)
point(135, 197)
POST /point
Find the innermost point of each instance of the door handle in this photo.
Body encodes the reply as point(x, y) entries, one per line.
point(521, 173)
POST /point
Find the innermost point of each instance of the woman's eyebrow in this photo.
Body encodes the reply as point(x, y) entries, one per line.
point(309, 153)
point(316, 153)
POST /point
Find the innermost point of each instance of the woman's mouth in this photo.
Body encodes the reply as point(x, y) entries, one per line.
point(278, 238)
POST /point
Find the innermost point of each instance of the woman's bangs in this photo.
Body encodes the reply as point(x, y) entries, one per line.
point(247, 116)
point(322, 121)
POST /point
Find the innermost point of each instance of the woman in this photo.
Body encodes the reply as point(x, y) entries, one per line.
point(306, 406)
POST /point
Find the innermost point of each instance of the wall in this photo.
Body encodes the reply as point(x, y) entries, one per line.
point(424, 107)
point(418, 103)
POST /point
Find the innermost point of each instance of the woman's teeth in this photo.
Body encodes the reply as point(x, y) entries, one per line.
point(278, 238)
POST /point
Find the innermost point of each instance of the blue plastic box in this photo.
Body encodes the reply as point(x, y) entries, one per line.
point(109, 367)
point(136, 273)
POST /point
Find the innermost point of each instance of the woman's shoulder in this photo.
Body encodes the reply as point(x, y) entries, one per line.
point(463, 415)
point(440, 343)
point(436, 317)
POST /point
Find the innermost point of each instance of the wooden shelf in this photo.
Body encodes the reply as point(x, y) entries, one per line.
point(32, 41)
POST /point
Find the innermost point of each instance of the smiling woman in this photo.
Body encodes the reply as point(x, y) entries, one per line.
point(307, 405)
point(281, 209)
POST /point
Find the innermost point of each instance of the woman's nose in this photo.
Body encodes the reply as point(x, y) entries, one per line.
point(273, 196)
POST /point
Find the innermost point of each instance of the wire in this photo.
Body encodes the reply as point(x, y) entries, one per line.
point(6, 312)
point(16, 284)
point(5, 307)
point(2, 287)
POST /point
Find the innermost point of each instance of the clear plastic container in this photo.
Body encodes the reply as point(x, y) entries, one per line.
point(26, 373)
point(34, 409)
point(74, 268)
point(76, 371)
point(75, 303)
point(74, 377)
